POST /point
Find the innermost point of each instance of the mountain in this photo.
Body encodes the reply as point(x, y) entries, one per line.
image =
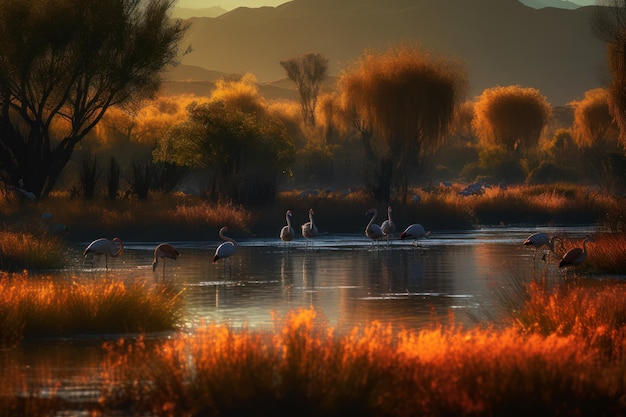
point(501, 42)
point(539, 4)
point(186, 13)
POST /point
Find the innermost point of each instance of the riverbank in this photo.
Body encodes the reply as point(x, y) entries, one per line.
point(177, 217)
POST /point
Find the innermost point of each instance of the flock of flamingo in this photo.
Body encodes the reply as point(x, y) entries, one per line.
point(385, 230)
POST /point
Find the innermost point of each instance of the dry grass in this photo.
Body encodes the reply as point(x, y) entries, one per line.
point(33, 307)
point(181, 217)
point(303, 367)
point(607, 254)
point(19, 251)
point(162, 217)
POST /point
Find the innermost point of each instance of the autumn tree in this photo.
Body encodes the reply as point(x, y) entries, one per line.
point(512, 117)
point(508, 122)
point(595, 131)
point(244, 151)
point(610, 26)
point(402, 101)
point(307, 71)
point(65, 63)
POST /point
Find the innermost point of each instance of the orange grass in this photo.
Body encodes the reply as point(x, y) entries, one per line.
point(43, 307)
point(592, 311)
point(161, 217)
point(180, 217)
point(607, 254)
point(19, 251)
point(303, 367)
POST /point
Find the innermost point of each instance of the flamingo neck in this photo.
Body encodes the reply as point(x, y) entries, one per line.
point(585, 246)
point(372, 219)
point(227, 239)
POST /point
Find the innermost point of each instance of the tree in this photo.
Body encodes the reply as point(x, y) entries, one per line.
point(512, 117)
point(402, 102)
point(595, 131)
point(64, 63)
point(307, 71)
point(245, 151)
point(610, 26)
point(593, 123)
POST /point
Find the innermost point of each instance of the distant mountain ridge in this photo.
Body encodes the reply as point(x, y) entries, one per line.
point(562, 4)
point(502, 42)
point(187, 13)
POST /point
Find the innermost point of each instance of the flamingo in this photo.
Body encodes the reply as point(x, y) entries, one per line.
point(538, 240)
point(287, 233)
point(388, 226)
point(575, 256)
point(226, 249)
point(372, 230)
point(106, 247)
point(309, 229)
point(414, 231)
point(162, 251)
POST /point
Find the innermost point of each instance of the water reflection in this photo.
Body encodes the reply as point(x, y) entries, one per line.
point(346, 277)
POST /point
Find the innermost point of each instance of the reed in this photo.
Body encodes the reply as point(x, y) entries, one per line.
point(34, 307)
point(19, 251)
point(607, 254)
point(303, 366)
point(182, 217)
point(162, 217)
point(593, 311)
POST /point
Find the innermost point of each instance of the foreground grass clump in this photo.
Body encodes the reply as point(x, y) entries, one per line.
point(19, 251)
point(303, 367)
point(33, 307)
point(592, 311)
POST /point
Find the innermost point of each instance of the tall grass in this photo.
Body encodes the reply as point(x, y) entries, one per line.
point(19, 251)
point(33, 307)
point(303, 367)
point(162, 217)
point(181, 217)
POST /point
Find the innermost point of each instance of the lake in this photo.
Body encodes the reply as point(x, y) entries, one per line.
point(349, 279)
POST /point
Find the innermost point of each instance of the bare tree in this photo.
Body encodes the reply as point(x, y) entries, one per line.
point(63, 64)
point(402, 102)
point(307, 71)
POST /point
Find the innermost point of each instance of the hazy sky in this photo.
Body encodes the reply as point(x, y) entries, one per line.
point(232, 4)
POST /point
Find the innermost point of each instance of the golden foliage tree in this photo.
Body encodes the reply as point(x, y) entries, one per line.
point(594, 126)
point(595, 131)
point(512, 117)
point(402, 101)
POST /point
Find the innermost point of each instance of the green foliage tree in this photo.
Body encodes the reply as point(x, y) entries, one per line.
point(307, 71)
point(63, 64)
point(245, 152)
point(402, 102)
